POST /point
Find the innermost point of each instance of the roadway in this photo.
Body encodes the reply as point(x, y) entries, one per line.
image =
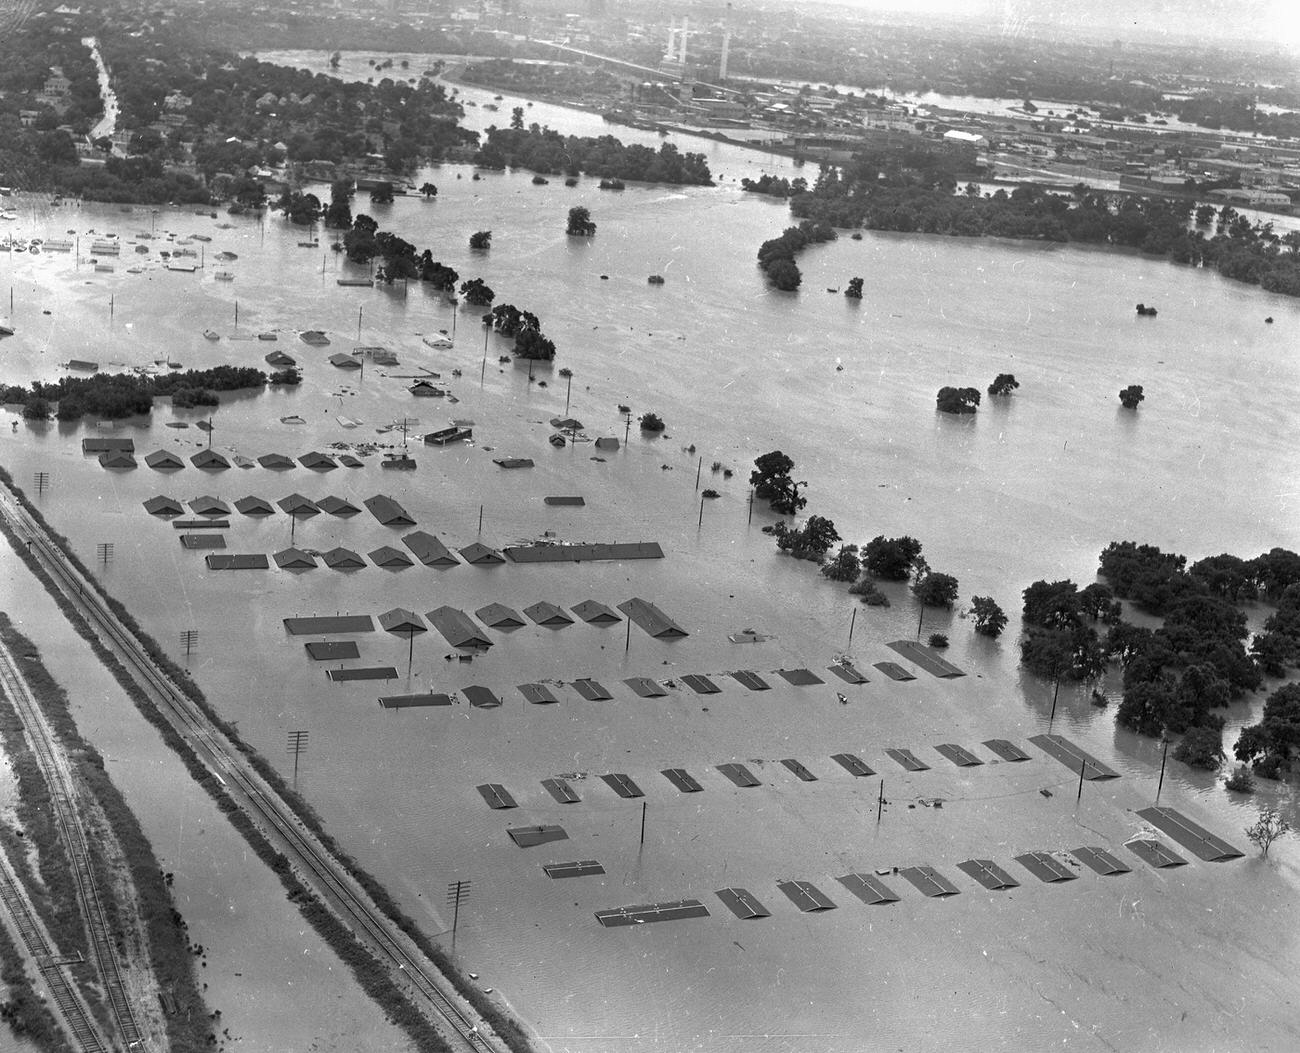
point(319, 869)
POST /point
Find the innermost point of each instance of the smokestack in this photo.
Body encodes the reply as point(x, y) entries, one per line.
point(726, 47)
point(686, 22)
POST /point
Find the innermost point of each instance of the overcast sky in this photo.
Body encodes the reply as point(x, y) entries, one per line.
point(1265, 21)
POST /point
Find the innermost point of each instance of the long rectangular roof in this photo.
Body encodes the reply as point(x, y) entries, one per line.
point(105, 443)
point(237, 561)
point(332, 623)
point(584, 553)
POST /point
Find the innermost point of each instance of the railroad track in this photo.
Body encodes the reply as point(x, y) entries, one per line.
point(66, 998)
point(408, 967)
point(74, 843)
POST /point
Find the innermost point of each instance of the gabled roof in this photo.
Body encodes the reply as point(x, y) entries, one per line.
point(458, 628)
point(479, 553)
point(317, 461)
point(402, 622)
point(209, 506)
point(544, 613)
point(429, 550)
point(254, 506)
point(116, 459)
point(595, 613)
point(299, 506)
point(276, 461)
point(164, 461)
point(348, 461)
point(343, 559)
point(652, 619)
point(209, 459)
point(344, 361)
point(388, 511)
point(294, 558)
point(499, 616)
point(387, 556)
point(163, 506)
point(279, 358)
point(336, 506)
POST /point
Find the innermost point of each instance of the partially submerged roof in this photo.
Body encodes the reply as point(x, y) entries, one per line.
point(336, 506)
point(388, 511)
point(294, 559)
point(163, 506)
point(254, 506)
point(650, 618)
point(545, 613)
point(106, 443)
point(318, 462)
point(298, 506)
point(279, 358)
point(203, 541)
point(237, 561)
point(499, 616)
point(596, 613)
point(513, 462)
point(429, 550)
point(458, 628)
point(387, 556)
point(343, 559)
point(330, 623)
point(116, 459)
point(276, 462)
point(344, 361)
point(402, 622)
point(210, 460)
point(479, 553)
point(209, 506)
point(164, 461)
point(549, 553)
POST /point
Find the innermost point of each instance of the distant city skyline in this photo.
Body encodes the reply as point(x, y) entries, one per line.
point(1264, 22)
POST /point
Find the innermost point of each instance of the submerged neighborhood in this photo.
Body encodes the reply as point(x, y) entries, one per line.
point(547, 528)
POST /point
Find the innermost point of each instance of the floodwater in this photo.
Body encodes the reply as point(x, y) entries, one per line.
point(274, 981)
point(1033, 487)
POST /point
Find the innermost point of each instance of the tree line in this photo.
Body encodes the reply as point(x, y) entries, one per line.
point(915, 190)
point(546, 151)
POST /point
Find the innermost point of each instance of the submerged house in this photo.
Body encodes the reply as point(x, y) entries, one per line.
point(429, 550)
point(164, 461)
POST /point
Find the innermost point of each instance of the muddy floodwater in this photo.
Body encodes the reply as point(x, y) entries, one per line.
point(1199, 957)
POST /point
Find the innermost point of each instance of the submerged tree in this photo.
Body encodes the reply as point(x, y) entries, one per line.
point(846, 566)
point(891, 558)
point(772, 482)
point(429, 190)
point(1267, 829)
point(854, 290)
point(957, 400)
point(480, 239)
point(812, 541)
point(935, 590)
point(990, 619)
point(1004, 384)
point(580, 222)
point(477, 292)
point(1131, 396)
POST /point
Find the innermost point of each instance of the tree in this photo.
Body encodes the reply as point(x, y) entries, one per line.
point(1003, 384)
point(36, 408)
point(846, 566)
point(990, 619)
point(772, 482)
point(1270, 745)
point(1201, 747)
point(811, 542)
point(480, 239)
point(1267, 829)
point(652, 422)
point(957, 400)
point(784, 274)
point(580, 222)
point(854, 290)
point(429, 190)
point(517, 119)
point(530, 343)
point(1130, 396)
point(891, 558)
point(381, 193)
point(935, 589)
point(477, 292)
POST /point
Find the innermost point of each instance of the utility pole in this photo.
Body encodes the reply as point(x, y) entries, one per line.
point(297, 746)
point(643, 804)
point(1163, 757)
point(189, 640)
point(457, 893)
point(42, 481)
point(104, 550)
point(852, 621)
point(567, 391)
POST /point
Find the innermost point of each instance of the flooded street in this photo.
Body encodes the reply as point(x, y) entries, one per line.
point(1193, 958)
